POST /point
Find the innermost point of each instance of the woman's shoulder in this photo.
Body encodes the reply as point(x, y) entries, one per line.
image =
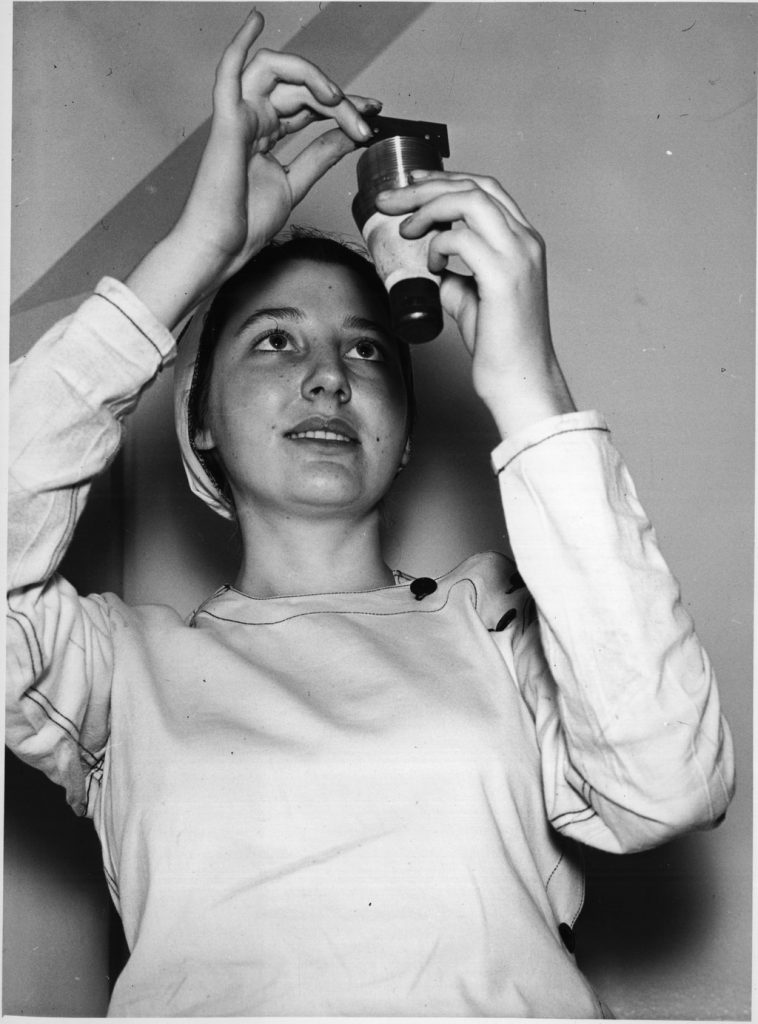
point(142, 616)
point(488, 570)
point(499, 592)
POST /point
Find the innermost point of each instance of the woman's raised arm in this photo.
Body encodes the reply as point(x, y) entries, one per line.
point(242, 195)
point(70, 394)
point(501, 309)
point(634, 747)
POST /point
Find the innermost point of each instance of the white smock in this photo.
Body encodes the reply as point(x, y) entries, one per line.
point(361, 804)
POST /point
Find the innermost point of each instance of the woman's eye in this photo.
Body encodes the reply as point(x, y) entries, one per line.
point(366, 350)
point(274, 341)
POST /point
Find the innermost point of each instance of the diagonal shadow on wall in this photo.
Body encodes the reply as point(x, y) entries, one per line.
point(345, 37)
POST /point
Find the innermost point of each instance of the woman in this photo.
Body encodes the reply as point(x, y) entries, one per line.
point(339, 791)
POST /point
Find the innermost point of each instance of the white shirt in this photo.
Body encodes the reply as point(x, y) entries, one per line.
point(355, 804)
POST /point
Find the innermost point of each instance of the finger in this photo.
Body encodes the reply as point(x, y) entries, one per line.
point(365, 104)
point(460, 300)
point(349, 117)
point(457, 290)
point(486, 182)
point(409, 198)
point(290, 125)
point(268, 68)
point(477, 210)
point(316, 159)
point(303, 118)
point(469, 247)
point(431, 183)
point(232, 63)
point(289, 99)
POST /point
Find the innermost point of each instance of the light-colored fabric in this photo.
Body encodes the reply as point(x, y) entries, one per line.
point(198, 479)
point(633, 726)
point(355, 804)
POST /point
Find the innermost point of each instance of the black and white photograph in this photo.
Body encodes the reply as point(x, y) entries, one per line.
point(380, 510)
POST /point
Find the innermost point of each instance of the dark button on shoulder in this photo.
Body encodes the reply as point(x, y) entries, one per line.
point(422, 587)
point(505, 621)
point(516, 583)
point(566, 932)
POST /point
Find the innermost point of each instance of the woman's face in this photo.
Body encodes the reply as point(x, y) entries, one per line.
point(307, 406)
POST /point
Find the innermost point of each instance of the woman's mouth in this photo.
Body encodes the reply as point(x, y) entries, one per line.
point(331, 430)
point(320, 435)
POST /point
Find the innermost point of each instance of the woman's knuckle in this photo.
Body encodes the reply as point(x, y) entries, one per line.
point(481, 199)
point(534, 248)
point(261, 57)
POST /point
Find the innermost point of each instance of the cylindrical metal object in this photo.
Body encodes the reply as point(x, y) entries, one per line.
point(402, 263)
point(387, 164)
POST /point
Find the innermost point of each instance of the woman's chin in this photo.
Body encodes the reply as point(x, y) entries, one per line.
point(333, 491)
point(332, 482)
point(319, 494)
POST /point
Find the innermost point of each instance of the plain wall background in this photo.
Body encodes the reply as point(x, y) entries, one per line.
point(627, 134)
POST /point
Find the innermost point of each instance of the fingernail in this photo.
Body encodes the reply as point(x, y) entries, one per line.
point(375, 104)
point(418, 174)
point(365, 131)
point(336, 91)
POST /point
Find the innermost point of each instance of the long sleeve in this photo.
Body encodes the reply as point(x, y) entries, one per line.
point(633, 745)
point(67, 400)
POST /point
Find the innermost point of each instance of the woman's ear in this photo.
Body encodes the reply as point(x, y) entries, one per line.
point(204, 440)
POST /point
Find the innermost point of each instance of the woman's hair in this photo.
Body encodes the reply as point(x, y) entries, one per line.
point(300, 244)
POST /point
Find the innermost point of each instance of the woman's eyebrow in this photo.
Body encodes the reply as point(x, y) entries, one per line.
point(290, 313)
point(361, 323)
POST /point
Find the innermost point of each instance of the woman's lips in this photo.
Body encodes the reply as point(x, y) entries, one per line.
point(317, 428)
point(320, 435)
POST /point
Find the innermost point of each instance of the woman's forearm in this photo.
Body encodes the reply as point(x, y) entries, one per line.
point(176, 275)
point(67, 398)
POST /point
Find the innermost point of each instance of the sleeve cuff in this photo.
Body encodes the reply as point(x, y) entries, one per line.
point(537, 433)
point(136, 312)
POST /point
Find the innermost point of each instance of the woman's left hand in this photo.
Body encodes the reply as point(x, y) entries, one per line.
point(501, 309)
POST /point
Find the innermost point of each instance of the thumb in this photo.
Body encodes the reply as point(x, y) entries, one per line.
point(315, 160)
point(460, 299)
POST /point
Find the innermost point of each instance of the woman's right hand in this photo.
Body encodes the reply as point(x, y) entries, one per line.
point(242, 195)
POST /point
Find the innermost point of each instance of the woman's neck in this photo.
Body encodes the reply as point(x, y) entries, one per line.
point(287, 556)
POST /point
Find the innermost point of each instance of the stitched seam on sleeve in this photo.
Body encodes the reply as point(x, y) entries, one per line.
point(111, 880)
point(65, 725)
point(550, 876)
point(132, 322)
point(578, 911)
point(573, 817)
point(65, 537)
point(26, 626)
point(559, 433)
point(95, 777)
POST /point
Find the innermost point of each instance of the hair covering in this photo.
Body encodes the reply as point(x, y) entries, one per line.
point(200, 481)
point(301, 244)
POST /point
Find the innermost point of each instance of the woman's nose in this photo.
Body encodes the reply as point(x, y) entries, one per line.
point(327, 377)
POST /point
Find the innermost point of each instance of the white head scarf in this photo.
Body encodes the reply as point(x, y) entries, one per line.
point(200, 481)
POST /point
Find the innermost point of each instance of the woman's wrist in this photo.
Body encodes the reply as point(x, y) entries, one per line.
point(525, 395)
point(175, 276)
